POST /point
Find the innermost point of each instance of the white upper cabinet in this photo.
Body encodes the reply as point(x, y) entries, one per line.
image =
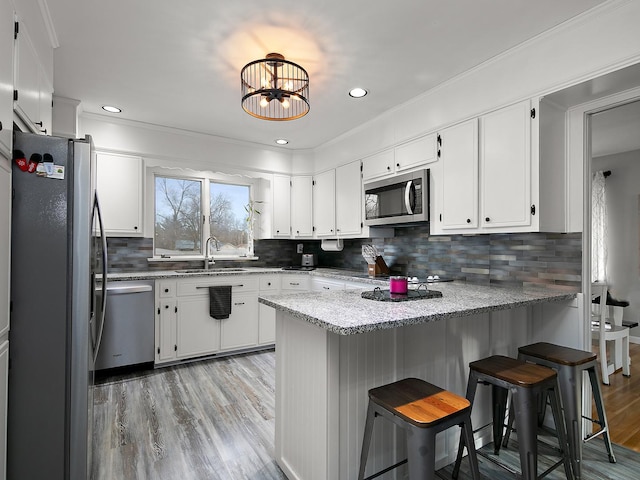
point(505, 167)
point(416, 153)
point(301, 206)
point(33, 90)
point(406, 156)
point(324, 203)
point(281, 206)
point(517, 189)
point(348, 199)
point(458, 201)
point(379, 165)
point(119, 185)
point(6, 78)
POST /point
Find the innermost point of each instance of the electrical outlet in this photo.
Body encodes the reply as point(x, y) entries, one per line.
point(299, 250)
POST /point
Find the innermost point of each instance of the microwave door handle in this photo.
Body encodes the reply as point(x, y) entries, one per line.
point(407, 197)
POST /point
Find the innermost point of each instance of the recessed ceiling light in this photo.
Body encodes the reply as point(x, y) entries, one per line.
point(357, 92)
point(282, 141)
point(111, 109)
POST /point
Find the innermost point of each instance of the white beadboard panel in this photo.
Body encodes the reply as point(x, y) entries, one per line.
point(468, 339)
point(366, 361)
point(301, 399)
point(508, 331)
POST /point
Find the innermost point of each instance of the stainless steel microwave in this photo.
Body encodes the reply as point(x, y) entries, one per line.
point(397, 200)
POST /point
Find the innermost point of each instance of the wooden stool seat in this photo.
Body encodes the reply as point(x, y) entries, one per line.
point(418, 402)
point(557, 354)
point(422, 410)
point(570, 365)
point(513, 371)
point(527, 383)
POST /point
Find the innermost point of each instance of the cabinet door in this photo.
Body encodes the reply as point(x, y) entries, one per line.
point(4, 392)
point(5, 247)
point(267, 325)
point(459, 171)
point(166, 331)
point(349, 199)
point(295, 283)
point(119, 185)
point(197, 332)
point(416, 153)
point(6, 77)
point(241, 328)
point(378, 165)
point(27, 105)
point(505, 165)
point(301, 206)
point(281, 206)
point(324, 203)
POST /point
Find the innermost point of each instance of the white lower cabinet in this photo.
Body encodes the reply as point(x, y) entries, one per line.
point(240, 330)
point(197, 332)
point(185, 329)
point(4, 376)
point(319, 284)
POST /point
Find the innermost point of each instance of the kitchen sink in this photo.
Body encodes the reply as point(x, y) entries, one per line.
point(212, 270)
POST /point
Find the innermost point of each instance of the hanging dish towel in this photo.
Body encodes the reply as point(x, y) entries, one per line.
point(220, 301)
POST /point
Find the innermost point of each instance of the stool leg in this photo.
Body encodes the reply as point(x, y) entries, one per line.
point(558, 419)
point(472, 384)
point(571, 395)
point(366, 440)
point(525, 406)
point(467, 433)
point(499, 396)
point(421, 450)
point(602, 416)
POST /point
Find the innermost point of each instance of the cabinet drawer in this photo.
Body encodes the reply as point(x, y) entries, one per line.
point(199, 286)
point(297, 282)
point(269, 283)
point(167, 289)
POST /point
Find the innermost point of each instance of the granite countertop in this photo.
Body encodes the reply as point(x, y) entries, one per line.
point(347, 313)
point(338, 274)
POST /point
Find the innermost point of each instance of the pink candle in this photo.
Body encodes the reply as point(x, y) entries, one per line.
point(398, 284)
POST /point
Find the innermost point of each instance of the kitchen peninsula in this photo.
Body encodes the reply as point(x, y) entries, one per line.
point(332, 347)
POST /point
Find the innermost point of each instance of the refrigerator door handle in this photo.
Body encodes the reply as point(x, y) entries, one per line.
point(103, 239)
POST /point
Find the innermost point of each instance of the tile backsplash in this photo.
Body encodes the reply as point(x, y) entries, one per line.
point(511, 259)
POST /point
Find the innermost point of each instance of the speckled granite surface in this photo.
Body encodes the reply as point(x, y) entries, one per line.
point(344, 275)
point(347, 313)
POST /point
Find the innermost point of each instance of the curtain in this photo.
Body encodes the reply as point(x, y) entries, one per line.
point(598, 229)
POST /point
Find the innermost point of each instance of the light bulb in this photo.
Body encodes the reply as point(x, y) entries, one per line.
point(264, 102)
point(285, 103)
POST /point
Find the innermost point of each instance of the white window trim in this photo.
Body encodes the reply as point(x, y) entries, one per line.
point(205, 177)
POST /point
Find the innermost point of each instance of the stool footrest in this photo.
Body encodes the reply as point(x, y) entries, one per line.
point(388, 469)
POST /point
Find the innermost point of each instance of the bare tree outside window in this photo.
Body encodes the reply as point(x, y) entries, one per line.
point(178, 224)
point(227, 219)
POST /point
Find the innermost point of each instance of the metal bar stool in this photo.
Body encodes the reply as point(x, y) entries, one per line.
point(423, 410)
point(527, 383)
point(570, 363)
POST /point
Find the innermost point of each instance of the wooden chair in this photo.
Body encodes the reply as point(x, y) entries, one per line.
point(605, 331)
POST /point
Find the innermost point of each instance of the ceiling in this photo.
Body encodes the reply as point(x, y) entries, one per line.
point(616, 130)
point(178, 64)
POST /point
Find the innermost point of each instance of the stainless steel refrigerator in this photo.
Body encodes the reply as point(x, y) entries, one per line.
point(57, 251)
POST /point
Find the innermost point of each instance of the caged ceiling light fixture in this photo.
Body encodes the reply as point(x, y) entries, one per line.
point(275, 89)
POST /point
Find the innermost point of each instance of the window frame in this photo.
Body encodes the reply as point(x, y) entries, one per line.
point(205, 179)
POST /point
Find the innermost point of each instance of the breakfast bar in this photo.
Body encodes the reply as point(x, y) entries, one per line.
point(332, 347)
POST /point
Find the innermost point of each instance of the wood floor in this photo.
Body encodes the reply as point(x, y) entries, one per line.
point(206, 420)
point(622, 404)
point(214, 420)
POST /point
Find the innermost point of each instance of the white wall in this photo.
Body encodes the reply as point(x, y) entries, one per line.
point(623, 213)
point(584, 48)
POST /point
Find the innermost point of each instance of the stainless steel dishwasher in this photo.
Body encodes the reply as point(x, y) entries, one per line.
point(128, 334)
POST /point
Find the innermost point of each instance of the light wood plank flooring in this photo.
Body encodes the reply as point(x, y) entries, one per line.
point(209, 420)
point(214, 420)
point(622, 404)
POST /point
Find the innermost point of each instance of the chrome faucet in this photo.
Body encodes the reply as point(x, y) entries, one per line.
point(207, 261)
